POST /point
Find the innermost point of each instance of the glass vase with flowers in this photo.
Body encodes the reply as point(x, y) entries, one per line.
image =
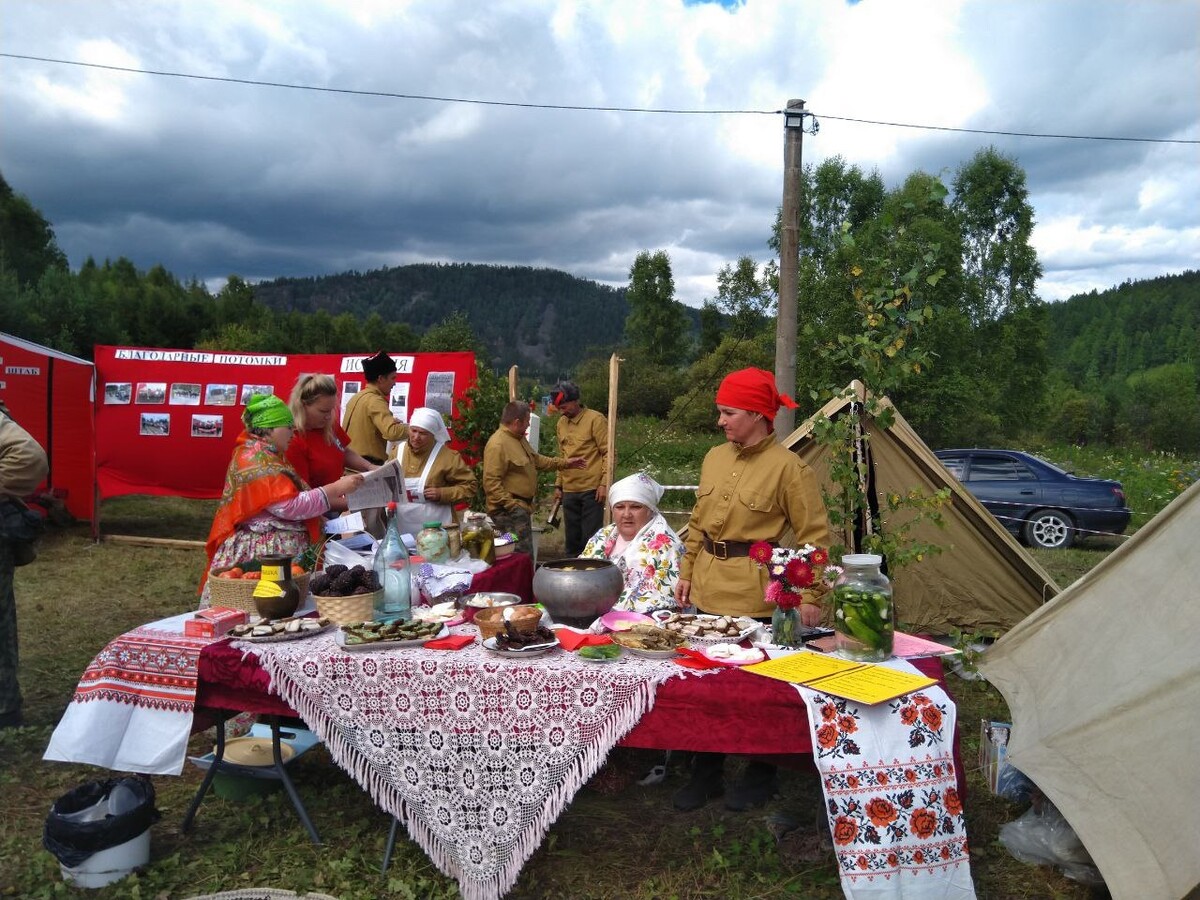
point(796, 576)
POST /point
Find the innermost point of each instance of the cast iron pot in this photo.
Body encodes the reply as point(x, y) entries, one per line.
point(578, 591)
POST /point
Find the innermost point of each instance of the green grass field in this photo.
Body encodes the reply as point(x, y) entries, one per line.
point(617, 840)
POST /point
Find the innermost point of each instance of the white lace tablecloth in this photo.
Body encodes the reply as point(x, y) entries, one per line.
point(475, 753)
point(888, 775)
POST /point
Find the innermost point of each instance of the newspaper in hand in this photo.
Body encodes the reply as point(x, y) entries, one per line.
point(379, 488)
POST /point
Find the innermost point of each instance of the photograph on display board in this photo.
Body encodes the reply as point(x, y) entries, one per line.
point(118, 392)
point(249, 390)
point(185, 394)
point(152, 392)
point(349, 389)
point(439, 392)
point(208, 426)
point(398, 400)
point(156, 423)
point(221, 394)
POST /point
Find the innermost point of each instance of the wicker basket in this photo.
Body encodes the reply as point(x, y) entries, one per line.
point(490, 621)
point(238, 593)
point(348, 610)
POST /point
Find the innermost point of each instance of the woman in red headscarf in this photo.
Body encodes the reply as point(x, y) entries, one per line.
point(751, 489)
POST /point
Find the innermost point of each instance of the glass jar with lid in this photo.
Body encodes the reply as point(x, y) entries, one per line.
point(863, 615)
point(478, 537)
point(433, 544)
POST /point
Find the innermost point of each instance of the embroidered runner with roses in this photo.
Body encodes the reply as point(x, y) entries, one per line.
point(891, 794)
point(476, 754)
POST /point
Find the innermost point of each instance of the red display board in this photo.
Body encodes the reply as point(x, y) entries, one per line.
point(49, 393)
point(166, 420)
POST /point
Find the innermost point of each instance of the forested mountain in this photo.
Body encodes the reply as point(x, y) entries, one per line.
point(541, 319)
point(1134, 326)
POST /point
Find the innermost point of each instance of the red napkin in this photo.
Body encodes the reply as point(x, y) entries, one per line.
point(451, 642)
point(694, 659)
point(573, 640)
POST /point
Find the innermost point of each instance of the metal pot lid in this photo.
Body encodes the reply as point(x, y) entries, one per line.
point(255, 751)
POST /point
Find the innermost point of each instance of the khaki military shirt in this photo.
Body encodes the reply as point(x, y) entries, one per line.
point(510, 468)
point(371, 423)
point(23, 463)
point(586, 435)
point(448, 472)
point(755, 493)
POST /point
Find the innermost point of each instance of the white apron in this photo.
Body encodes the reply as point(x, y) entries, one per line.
point(412, 515)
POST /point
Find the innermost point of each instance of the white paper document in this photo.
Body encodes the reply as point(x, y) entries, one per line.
point(380, 487)
point(345, 524)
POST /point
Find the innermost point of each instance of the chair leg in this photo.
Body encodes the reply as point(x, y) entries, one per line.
point(218, 755)
point(391, 843)
point(281, 769)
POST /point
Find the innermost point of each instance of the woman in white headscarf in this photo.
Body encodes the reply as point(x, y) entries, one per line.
point(435, 477)
point(641, 543)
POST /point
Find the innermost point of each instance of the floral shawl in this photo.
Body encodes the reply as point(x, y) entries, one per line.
point(650, 564)
point(258, 476)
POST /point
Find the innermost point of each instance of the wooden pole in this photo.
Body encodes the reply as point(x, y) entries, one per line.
point(512, 384)
point(610, 455)
point(789, 264)
point(174, 543)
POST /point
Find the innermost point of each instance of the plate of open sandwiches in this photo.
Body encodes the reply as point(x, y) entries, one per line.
point(648, 640)
point(707, 629)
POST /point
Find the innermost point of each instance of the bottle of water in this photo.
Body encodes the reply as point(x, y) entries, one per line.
point(391, 566)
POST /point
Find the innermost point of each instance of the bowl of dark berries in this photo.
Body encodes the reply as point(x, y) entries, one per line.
point(346, 594)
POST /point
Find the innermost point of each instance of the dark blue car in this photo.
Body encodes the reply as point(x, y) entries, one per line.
point(1036, 500)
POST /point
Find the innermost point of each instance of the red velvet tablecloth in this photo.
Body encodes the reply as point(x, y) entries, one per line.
point(730, 711)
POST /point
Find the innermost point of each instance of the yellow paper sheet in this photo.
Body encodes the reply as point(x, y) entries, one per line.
point(861, 682)
point(802, 667)
point(871, 684)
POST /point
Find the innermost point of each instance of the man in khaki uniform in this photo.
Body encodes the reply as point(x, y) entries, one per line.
point(510, 468)
point(581, 432)
point(23, 466)
point(369, 419)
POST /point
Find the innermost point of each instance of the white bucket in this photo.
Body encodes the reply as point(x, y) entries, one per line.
point(113, 864)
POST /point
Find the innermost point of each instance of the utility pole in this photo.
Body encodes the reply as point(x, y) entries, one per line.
point(789, 263)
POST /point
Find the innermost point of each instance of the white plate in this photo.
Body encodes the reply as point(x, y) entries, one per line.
point(749, 626)
point(387, 645)
point(760, 657)
point(285, 636)
point(532, 650)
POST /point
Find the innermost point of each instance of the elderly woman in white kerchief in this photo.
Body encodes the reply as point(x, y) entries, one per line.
point(641, 543)
point(435, 477)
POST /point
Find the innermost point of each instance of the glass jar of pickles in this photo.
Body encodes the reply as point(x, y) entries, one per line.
point(478, 537)
point(863, 616)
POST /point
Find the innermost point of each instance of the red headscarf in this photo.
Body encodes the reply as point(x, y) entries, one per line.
point(753, 389)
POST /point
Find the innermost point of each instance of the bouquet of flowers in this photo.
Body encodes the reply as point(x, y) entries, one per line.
point(793, 570)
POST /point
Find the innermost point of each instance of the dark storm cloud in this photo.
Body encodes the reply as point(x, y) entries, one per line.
point(211, 178)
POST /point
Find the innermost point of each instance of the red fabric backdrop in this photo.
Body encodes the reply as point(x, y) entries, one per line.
point(50, 394)
point(140, 389)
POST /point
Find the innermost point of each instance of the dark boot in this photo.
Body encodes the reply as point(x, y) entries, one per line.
point(706, 782)
point(756, 786)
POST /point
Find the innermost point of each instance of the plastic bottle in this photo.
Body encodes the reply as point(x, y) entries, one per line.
point(391, 565)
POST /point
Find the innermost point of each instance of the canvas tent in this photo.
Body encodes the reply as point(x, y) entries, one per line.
point(50, 393)
point(1104, 688)
point(983, 579)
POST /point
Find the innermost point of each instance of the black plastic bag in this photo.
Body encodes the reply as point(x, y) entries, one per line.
point(81, 823)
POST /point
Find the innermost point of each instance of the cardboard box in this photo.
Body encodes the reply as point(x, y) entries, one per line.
point(214, 622)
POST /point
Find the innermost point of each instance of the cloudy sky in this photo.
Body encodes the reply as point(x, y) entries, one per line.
point(214, 177)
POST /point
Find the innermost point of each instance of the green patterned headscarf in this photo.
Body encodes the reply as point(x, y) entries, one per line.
point(266, 411)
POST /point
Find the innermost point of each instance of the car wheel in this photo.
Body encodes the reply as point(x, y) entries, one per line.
point(1050, 530)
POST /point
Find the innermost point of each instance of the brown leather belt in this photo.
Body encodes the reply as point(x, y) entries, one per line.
point(727, 549)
